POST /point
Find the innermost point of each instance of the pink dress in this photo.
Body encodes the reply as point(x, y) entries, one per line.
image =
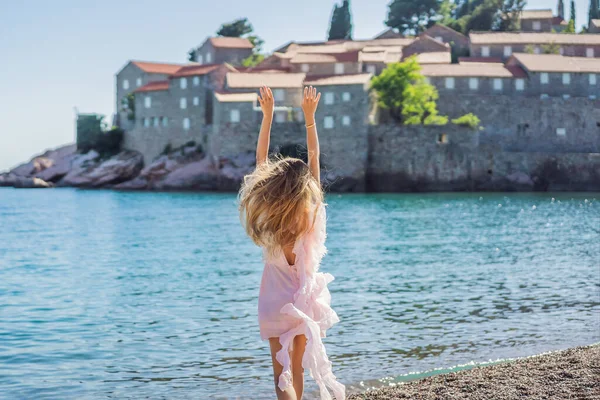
point(294, 300)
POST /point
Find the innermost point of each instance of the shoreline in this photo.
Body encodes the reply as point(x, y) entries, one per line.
point(571, 373)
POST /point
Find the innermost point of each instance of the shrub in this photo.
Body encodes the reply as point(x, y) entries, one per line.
point(469, 120)
point(401, 89)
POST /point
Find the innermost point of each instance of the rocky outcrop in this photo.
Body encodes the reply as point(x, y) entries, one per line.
point(87, 172)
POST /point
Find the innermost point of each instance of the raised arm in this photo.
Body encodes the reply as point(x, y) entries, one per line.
point(267, 104)
point(309, 106)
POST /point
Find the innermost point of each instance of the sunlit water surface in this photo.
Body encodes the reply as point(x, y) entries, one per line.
point(144, 295)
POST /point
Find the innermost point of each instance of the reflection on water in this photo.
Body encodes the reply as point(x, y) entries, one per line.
point(142, 295)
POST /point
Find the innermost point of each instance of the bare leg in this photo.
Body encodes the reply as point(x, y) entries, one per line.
point(290, 392)
point(297, 370)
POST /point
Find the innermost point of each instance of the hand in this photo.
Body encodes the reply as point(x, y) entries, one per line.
point(267, 103)
point(310, 101)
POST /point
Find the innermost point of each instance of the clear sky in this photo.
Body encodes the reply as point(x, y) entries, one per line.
point(61, 54)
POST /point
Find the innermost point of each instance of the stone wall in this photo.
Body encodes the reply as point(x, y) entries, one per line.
point(531, 124)
point(414, 159)
point(419, 158)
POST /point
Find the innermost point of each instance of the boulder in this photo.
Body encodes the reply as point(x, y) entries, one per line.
point(7, 179)
point(23, 182)
point(138, 183)
point(57, 171)
point(87, 172)
point(44, 161)
point(197, 175)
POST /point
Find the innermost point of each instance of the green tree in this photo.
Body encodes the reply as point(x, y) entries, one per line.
point(401, 89)
point(341, 22)
point(257, 55)
point(510, 14)
point(192, 55)
point(237, 28)
point(412, 16)
point(484, 17)
point(570, 27)
point(573, 14)
point(561, 9)
point(446, 12)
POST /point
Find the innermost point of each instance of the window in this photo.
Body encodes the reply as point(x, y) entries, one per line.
point(520, 84)
point(328, 123)
point(497, 84)
point(329, 98)
point(146, 122)
point(279, 94)
point(200, 59)
point(566, 78)
point(536, 25)
point(280, 117)
point(485, 51)
point(196, 101)
point(186, 124)
point(156, 122)
point(371, 69)
point(507, 51)
point(544, 96)
point(208, 58)
point(589, 52)
point(346, 96)
point(183, 103)
point(183, 83)
point(592, 97)
point(165, 122)
point(544, 78)
point(561, 132)
point(147, 102)
point(339, 68)
point(196, 80)
point(473, 83)
point(566, 96)
point(138, 82)
point(537, 50)
point(592, 79)
point(346, 120)
point(561, 51)
point(304, 68)
point(234, 116)
point(439, 39)
point(442, 138)
point(449, 83)
point(125, 84)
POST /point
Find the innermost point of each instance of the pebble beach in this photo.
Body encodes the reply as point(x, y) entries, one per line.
point(569, 374)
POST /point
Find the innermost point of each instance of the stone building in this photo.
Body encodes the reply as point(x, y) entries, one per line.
point(594, 26)
point(132, 76)
point(504, 44)
point(218, 50)
point(457, 41)
point(536, 20)
point(523, 75)
point(553, 75)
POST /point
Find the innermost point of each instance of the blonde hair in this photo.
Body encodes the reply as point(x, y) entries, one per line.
point(275, 202)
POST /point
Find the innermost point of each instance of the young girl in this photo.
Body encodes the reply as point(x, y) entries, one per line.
point(282, 207)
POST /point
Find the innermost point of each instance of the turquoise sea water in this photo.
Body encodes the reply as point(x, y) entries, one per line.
point(154, 295)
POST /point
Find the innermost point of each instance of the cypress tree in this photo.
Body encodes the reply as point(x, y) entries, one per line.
point(573, 12)
point(561, 9)
point(594, 11)
point(341, 22)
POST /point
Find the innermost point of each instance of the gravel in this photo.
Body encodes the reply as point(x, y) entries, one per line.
point(567, 374)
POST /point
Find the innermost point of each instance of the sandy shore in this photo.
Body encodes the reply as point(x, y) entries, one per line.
point(567, 374)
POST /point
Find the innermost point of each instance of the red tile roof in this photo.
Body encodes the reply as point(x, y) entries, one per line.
point(487, 70)
point(555, 63)
point(153, 87)
point(195, 70)
point(223, 42)
point(534, 38)
point(328, 80)
point(157, 68)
